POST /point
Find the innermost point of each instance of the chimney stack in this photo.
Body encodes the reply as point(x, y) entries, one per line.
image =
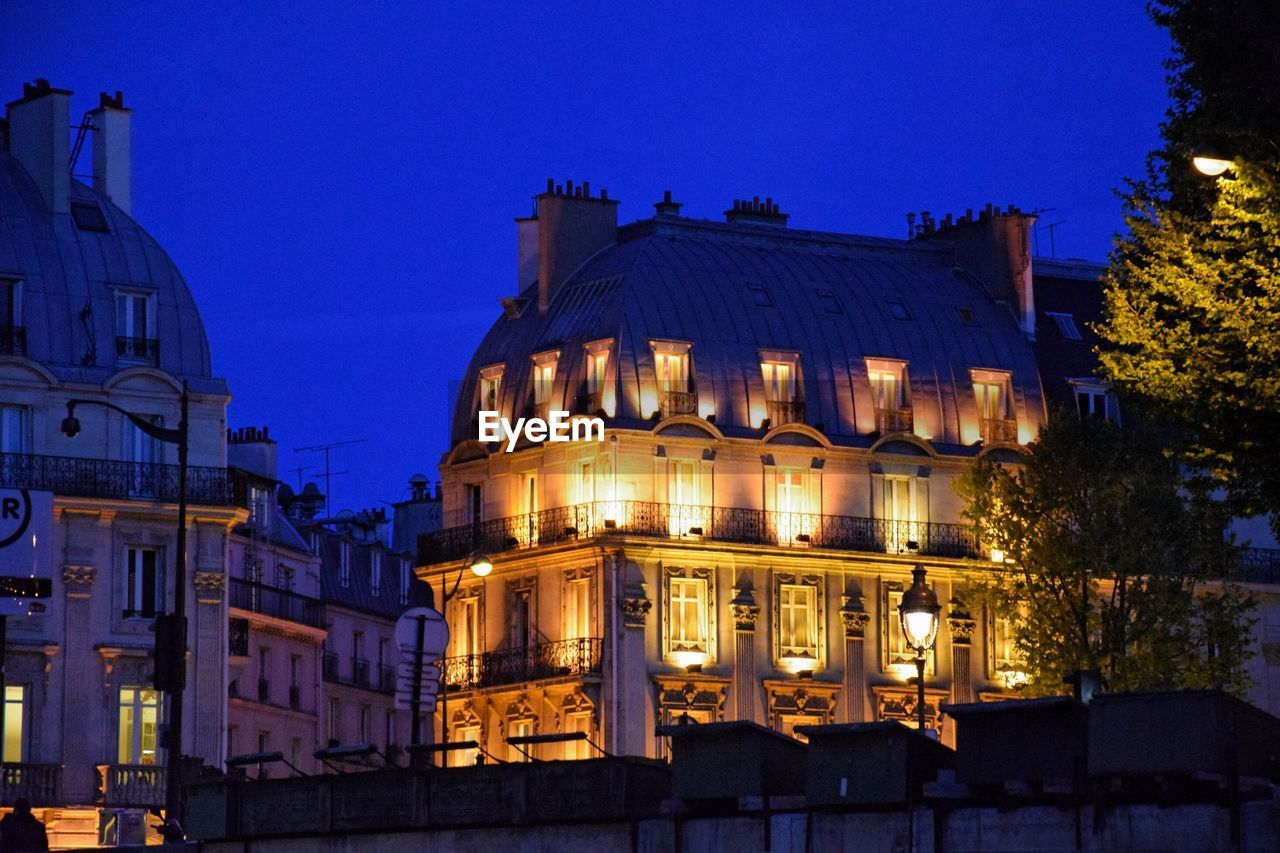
point(39, 130)
point(571, 226)
point(253, 450)
point(667, 207)
point(996, 247)
point(757, 212)
point(112, 161)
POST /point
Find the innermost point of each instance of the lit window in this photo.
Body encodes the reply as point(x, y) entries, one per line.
point(577, 723)
point(782, 388)
point(688, 615)
point(519, 728)
point(797, 621)
point(465, 757)
point(375, 572)
point(344, 563)
point(14, 718)
point(577, 610)
point(490, 387)
point(1066, 325)
point(991, 394)
point(142, 582)
point(888, 381)
point(467, 637)
point(899, 658)
point(544, 378)
point(672, 373)
point(139, 713)
point(898, 512)
point(1005, 665)
point(597, 365)
point(15, 429)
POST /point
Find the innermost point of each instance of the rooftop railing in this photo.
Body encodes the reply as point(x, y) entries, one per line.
point(889, 421)
point(785, 412)
point(108, 478)
point(998, 429)
point(720, 524)
point(513, 666)
point(138, 349)
point(273, 601)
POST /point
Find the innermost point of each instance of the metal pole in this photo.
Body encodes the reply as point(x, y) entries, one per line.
point(444, 681)
point(920, 689)
point(173, 786)
point(416, 722)
point(4, 641)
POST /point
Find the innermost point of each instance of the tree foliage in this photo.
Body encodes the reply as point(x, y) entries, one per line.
point(1191, 330)
point(1112, 564)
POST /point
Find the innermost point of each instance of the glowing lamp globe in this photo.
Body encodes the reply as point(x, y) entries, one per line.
point(480, 564)
point(919, 613)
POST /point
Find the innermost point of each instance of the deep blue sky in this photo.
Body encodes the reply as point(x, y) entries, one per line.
point(337, 182)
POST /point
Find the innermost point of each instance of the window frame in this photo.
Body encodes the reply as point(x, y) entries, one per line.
point(816, 588)
point(135, 583)
point(673, 646)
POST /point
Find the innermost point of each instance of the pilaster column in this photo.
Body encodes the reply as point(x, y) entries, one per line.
point(633, 727)
point(84, 698)
point(208, 651)
point(745, 615)
point(855, 619)
point(962, 625)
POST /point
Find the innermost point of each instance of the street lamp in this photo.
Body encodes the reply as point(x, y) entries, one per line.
point(1210, 160)
point(480, 565)
point(919, 615)
point(171, 630)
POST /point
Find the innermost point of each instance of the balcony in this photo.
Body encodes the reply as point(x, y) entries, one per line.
point(678, 403)
point(145, 350)
point(785, 412)
point(13, 340)
point(720, 524)
point(998, 429)
point(513, 666)
point(1260, 565)
point(894, 420)
point(106, 478)
point(279, 603)
point(41, 784)
point(131, 785)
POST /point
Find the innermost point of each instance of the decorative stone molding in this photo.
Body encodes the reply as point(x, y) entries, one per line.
point(680, 693)
point(961, 622)
point(79, 580)
point(854, 617)
point(210, 587)
point(900, 703)
point(744, 609)
point(812, 699)
point(635, 609)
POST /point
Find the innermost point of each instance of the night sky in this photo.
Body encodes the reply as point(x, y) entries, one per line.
point(337, 182)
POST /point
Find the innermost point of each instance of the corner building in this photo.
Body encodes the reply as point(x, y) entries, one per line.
point(785, 414)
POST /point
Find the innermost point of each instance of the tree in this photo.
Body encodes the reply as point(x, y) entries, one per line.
point(1191, 328)
point(1112, 563)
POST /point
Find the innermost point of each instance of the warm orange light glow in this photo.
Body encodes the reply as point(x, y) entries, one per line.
point(1209, 165)
point(686, 659)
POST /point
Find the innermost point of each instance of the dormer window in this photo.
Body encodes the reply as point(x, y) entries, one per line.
point(781, 372)
point(490, 387)
point(992, 397)
point(136, 327)
point(1066, 324)
point(13, 335)
point(889, 399)
point(672, 371)
point(544, 379)
point(596, 380)
point(1095, 400)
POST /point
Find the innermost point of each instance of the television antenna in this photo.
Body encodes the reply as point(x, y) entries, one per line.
point(329, 474)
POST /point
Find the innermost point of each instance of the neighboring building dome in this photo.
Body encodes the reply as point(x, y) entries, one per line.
point(74, 267)
point(748, 290)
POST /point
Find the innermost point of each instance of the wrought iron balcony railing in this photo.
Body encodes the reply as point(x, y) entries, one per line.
point(679, 403)
point(131, 785)
point(721, 524)
point(273, 601)
point(108, 478)
point(513, 666)
point(138, 349)
point(998, 429)
point(13, 340)
point(786, 412)
point(894, 420)
point(40, 784)
point(363, 674)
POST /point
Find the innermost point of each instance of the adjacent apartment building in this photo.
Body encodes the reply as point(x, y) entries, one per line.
point(785, 413)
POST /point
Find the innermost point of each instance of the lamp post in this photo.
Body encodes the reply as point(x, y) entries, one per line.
point(480, 566)
point(919, 615)
point(1210, 160)
point(171, 631)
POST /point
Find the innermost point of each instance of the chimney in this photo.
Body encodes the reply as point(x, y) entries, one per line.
point(39, 127)
point(527, 249)
point(667, 207)
point(571, 226)
point(995, 246)
point(756, 211)
point(112, 163)
point(251, 449)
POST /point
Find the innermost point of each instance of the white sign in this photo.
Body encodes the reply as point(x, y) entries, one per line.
point(561, 427)
point(435, 639)
point(26, 533)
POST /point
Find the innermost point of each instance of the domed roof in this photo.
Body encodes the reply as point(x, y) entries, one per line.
point(72, 266)
point(736, 291)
